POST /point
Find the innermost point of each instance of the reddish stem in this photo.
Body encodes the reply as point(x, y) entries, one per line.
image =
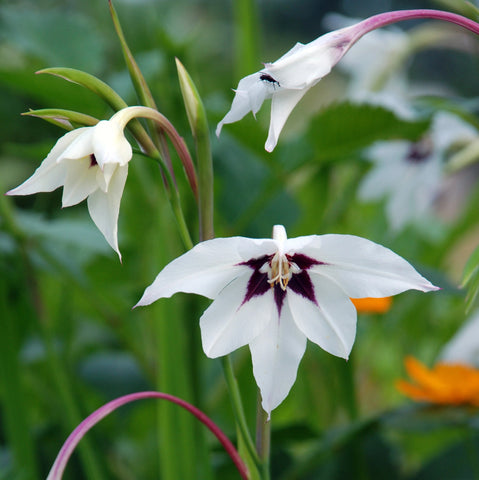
point(72, 441)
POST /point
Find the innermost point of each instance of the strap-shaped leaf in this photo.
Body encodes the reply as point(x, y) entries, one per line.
point(66, 119)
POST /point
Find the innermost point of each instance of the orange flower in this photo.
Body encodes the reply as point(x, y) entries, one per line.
point(445, 384)
point(372, 305)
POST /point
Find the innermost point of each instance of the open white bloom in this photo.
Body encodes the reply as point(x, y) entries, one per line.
point(273, 294)
point(88, 162)
point(287, 79)
point(411, 174)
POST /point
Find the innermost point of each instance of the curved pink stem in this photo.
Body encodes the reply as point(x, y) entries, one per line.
point(72, 441)
point(383, 19)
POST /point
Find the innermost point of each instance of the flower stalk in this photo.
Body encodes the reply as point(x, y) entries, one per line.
point(72, 441)
point(199, 127)
point(263, 438)
point(238, 410)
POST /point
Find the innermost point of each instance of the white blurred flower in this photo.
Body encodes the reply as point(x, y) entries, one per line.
point(370, 80)
point(410, 174)
point(273, 294)
point(88, 162)
point(463, 347)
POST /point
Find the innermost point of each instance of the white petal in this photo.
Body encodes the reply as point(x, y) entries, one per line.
point(104, 176)
point(80, 180)
point(207, 267)
point(281, 106)
point(105, 207)
point(276, 354)
point(331, 323)
point(305, 65)
point(81, 146)
point(229, 323)
point(363, 268)
point(110, 144)
point(249, 96)
point(381, 180)
point(415, 190)
point(50, 174)
point(448, 128)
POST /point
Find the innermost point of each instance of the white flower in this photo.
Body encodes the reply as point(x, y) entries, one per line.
point(464, 345)
point(288, 79)
point(88, 162)
point(411, 174)
point(273, 294)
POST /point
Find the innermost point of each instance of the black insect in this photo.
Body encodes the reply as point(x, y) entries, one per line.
point(268, 78)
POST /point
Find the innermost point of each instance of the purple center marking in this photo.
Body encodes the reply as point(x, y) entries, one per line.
point(93, 161)
point(299, 283)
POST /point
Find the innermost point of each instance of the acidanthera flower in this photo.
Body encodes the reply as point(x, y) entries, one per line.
point(410, 175)
point(88, 162)
point(445, 383)
point(273, 294)
point(287, 79)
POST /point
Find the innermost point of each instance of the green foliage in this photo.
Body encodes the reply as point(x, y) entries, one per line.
point(70, 340)
point(341, 130)
point(471, 279)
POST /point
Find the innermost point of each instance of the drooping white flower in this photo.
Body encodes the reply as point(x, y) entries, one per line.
point(273, 294)
point(410, 174)
point(287, 79)
point(88, 162)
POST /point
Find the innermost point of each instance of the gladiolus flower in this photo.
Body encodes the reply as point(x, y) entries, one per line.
point(88, 162)
point(287, 79)
point(273, 294)
point(445, 384)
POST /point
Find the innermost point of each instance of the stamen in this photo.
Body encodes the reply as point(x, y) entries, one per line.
point(280, 270)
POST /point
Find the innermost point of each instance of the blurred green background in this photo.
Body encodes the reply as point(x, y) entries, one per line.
point(69, 340)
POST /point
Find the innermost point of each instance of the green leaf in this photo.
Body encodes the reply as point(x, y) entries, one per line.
point(91, 82)
point(139, 82)
point(468, 9)
point(458, 461)
point(63, 118)
point(470, 279)
point(342, 129)
point(472, 267)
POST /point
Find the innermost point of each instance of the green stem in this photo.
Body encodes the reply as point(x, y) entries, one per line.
point(205, 180)
point(238, 408)
point(174, 198)
point(263, 438)
point(246, 36)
